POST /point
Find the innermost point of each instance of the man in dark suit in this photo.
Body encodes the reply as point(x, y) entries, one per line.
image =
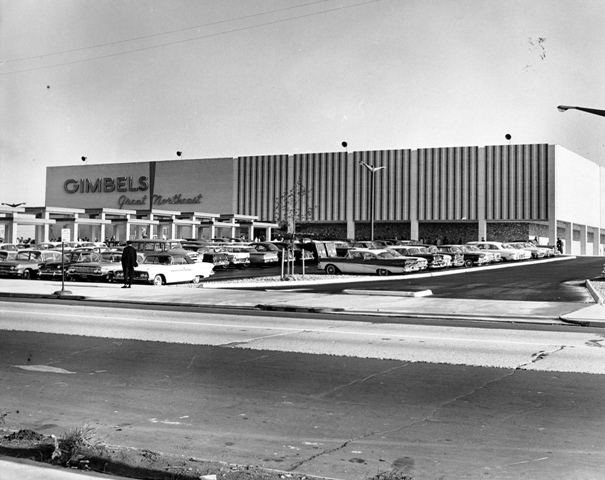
point(129, 261)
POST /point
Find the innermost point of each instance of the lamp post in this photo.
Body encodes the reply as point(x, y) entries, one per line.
point(594, 111)
point(372, 169)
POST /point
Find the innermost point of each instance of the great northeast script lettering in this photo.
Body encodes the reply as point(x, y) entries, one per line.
point(176, 199)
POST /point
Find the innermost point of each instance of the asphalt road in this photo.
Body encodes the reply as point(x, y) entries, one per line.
point(553, 281)
point(295, 394)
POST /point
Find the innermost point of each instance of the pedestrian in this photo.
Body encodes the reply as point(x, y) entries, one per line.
point(560, 245)
point(129, 261)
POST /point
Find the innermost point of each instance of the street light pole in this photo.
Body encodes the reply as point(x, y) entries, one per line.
point(594, 111)
point(372, 169)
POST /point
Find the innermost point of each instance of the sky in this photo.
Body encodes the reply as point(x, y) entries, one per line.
point(138, 80)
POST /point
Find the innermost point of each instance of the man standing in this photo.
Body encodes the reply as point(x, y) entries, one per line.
point(129, 261)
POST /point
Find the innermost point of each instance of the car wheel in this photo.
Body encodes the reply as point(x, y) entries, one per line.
point(332, 270)
point(158, 280)
point(468, 263)
point(383, 272)
point(196, 279)
point(27, 274)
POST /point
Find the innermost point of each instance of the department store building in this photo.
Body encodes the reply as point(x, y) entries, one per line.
point(436, 195)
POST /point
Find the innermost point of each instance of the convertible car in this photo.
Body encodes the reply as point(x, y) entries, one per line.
point(366, 261)
point(166, 267)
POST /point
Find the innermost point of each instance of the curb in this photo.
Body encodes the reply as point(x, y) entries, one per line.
point(595, 294)
point(535, 319)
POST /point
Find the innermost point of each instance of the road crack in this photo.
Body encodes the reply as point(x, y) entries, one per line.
point(361, 380)
point(536, 357)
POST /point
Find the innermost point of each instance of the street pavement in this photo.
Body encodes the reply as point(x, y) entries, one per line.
point(350, 302)
point(239, 296)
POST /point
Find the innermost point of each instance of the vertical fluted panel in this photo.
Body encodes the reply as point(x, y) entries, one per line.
point(447, 183)
point(517, 182)
point(392, 185)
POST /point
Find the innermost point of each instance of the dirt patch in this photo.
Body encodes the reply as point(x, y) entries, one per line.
point(79, 449)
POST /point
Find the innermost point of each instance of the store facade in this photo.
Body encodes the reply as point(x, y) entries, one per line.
point(502, 192)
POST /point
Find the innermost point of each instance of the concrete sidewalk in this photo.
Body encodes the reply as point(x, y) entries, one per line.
point(352, 302)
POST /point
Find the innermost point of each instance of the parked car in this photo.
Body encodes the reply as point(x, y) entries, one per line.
point(456, 254)
point(469, 257)
point(214, 254)
point(101, 270)
point(166, 267)
point(493, 256)
point(8, 246)
point(26, 263)
point(258, 257)
point(237, 257)
point(536, 252)
point(53, 269)
point(268, 247)
point(7, 255)
point(508, 254)
point(371, 261)
point(435, 260)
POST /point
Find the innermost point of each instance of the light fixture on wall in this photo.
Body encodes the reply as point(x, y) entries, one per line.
point(179, 153)
point(84, 159)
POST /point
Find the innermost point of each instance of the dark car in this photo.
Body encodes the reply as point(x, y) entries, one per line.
point(26, 263)
point(101, 270)
point(268, 247)
point(436, 260)
point(54, 269)
point(212, 253)
point(470, 257)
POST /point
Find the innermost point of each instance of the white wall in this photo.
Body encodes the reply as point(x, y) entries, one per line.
point(578, 189)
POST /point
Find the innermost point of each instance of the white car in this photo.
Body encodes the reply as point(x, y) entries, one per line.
point(508, 254)
point(167, 267)
point(237, 257)
point(524, 253)
point(536, 252)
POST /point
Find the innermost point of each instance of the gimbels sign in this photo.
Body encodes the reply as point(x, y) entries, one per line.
point(124, 185)
point(107, 185)
point(164, 185)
